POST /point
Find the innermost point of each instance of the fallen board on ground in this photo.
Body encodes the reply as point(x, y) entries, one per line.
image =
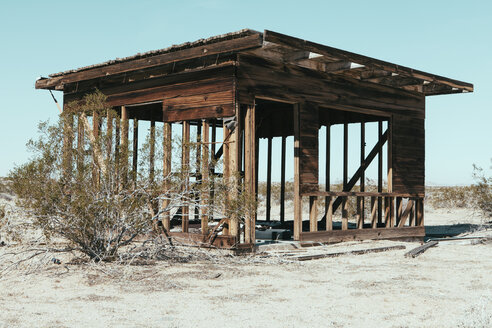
point(356, 252)
point(419, 250)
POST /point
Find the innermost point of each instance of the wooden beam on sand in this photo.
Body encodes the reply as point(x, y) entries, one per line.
point(356, 252)
point(421, 249)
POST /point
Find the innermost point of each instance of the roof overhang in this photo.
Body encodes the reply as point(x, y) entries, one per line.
point(272, 44)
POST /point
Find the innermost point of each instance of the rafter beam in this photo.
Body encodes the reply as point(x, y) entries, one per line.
point(300, 44)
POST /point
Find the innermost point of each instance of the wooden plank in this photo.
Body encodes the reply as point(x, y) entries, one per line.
point(345, 213)
point(269, 179)
point(124, 147)
point(296, 43)
point(356, 252)
point(406, 213)
point(360, 212)
point(313, 213)
point(222, 110)
point(380, 172)
point(109, 134)
point(96, 123)
point(336, 236)
point(420, 212)
point(135, 151)
point(234, 45)
point(80, 147)
point(200, 100)
point(166, 172)
point(185, 167)
point(156, 85)
point(249, 172)
point(345, 157)
point(234, 175)
point(389, 156)
point(329, 213)
point(269, 79)
point(282, 180)
point(374, 210)
point(297, 182)
point(358, 193)
point(421, 249)
point(204, 194)
point(327, 167)
point(219, 241)
point(68, 136)
point(399, 210)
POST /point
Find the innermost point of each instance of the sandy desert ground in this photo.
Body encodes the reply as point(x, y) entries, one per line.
point(448, 286)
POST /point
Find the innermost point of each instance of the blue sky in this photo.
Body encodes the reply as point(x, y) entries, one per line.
point(450, 38)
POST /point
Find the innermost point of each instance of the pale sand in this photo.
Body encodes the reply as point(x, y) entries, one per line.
point(447, 286)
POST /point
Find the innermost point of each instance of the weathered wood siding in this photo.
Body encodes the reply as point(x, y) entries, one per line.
point(408, 142)
point(308, 144)
point(260, 77)
point(205, 93)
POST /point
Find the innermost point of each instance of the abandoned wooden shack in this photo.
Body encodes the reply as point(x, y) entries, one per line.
point(250, 86)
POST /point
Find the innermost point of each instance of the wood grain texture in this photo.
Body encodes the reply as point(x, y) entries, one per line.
point(234, 45)
point(336, 236)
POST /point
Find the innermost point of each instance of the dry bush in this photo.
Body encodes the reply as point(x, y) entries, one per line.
point(90, 197)
point(476, 196)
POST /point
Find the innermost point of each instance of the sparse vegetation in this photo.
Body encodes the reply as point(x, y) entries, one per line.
point(476, 196)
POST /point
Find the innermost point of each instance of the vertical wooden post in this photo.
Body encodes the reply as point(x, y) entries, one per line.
point(95, 131)
point(329, 213)
point(360, 212)
point(80, 148)
point(204, 197)
point(419, 209)
point(269, 179)
point(362, 185)
point(198, 165)
point(282, 182)
point(117, 146)
point(297, 186)
point(185, 165)
point(233, 172)
point(313, 213)
point(389, 154)
point(344, 213)
point(256, 169)
point(374, 210)
point(212, 160)
point(166, 172)
point(249, 172)
point(345, 153)
point(152, 151)
point(327, 169)
point(411, 216)
point(124, 147)
point(387, 212)
point(399, 210)
point(109, 135)
point(135, 151)
point(380, 172)
point(67, 150)
point(226, 175)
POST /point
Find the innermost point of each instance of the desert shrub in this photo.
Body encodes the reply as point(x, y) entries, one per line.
point(476, 196)
point(450, 197)
point(88, 195)
point(482, 191)
point(64, 197)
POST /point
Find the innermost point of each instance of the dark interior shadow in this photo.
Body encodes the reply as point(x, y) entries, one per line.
point(452, 230)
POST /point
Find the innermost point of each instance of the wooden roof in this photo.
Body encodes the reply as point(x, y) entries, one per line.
point(270, 44)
